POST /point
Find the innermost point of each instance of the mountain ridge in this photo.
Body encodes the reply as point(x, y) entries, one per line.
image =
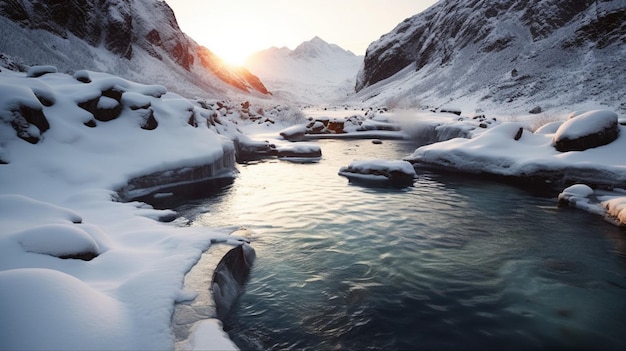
point(506, 53)
point(135, 39)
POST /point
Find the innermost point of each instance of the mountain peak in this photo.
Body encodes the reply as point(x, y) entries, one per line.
point(317, 47)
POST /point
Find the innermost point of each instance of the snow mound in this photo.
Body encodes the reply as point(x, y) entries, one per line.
point(510, 150)
point(60, 240)
point(15, 210)
point(44, 309)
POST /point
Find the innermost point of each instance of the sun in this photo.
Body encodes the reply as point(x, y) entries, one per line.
point(233, 54)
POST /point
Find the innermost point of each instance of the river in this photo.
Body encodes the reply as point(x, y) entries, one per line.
point(454, 262)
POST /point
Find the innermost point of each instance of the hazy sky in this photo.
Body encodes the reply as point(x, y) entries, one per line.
point(234, 29)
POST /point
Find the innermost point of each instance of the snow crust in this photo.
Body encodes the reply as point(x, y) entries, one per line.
point(57, 198)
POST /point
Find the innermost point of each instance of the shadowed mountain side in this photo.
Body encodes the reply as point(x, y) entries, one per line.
point(138, 40)
point(510, 53)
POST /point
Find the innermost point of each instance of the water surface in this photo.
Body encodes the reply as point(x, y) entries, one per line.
point(453, 262)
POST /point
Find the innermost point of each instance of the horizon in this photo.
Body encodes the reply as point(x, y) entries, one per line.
point(247, 27)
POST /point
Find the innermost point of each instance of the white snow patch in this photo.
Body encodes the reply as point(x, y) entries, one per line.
point(56, 198)
point(586, 123)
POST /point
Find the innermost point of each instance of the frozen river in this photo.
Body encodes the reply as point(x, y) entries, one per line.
point(453, 262)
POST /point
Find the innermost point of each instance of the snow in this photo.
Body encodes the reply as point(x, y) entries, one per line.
point(56, 240)
point(610, 204)
point(37, 71)
point(382, 165)
point(204, 337)
point(58, 198)
point(498, 150)
point(45, 309)
point(495, 151)
point(616, 207)
point(315, 72)
point(380, 171)
point(591, 122)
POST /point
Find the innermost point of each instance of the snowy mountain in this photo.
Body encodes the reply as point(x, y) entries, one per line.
point(135, 39)
point(314, 72)
point(511, 55)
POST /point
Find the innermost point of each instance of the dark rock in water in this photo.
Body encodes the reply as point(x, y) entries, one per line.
point(589, 130)
point(230, 276)
point(299, 152)
point(247, 149)
point(394, 173)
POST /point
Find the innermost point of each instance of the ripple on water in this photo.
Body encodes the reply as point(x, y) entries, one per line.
point(450, 263)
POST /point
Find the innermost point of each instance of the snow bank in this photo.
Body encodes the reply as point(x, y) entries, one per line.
point(510, 150)
point(610, 204)
point(61, 165)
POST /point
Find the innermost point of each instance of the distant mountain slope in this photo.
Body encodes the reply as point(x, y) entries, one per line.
point(135, 39)
point(314, 72)
point(510, 54)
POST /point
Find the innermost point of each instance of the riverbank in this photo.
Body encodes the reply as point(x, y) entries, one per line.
point(80, 268)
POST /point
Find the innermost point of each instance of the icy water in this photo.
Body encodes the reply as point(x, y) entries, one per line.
point(451, 263)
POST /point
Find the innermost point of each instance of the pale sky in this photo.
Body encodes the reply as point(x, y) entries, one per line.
point(234, 29)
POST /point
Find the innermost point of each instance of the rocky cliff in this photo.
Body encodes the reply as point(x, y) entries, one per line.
point(136, 39)
point(514, 53)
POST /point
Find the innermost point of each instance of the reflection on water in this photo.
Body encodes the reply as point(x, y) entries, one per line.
point(450, 263)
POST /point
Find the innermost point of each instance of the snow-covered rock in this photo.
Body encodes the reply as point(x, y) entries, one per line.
point(588, 130)
point(528, 157)
point(379, 171)
point(610, 204)
point(496, 55)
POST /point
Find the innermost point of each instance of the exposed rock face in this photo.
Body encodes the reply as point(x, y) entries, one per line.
point(127, 29)
point(503, 51)
point(104, 22)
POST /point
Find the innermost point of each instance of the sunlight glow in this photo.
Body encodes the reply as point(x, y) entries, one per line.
point(235, 29)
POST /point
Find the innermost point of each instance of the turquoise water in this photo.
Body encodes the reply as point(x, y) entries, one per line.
point(453, 262)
